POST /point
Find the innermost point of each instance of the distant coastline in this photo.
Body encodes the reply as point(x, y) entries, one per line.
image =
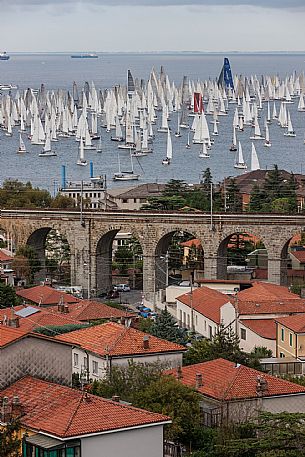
point(68, 53)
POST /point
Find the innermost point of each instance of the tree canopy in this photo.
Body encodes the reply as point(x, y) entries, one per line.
point(10, 443)
point(165, 327)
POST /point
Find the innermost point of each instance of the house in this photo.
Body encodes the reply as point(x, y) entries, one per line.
point(23, 353)
point(57, 421)
point(91, 311)
point(204, 309)
point(193, 260)
point(28, 318)
point(290, 336)
point(96, 349)
point(6, 271)
point(45, 296)
point(135, 197)
point(235, 393)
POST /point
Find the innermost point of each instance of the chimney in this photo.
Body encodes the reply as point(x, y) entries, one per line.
point(179, 372)
point(86, 398)
point(16, 406)
point(146, 341)
point(66, 309)
point(14, 322)
point(5, 410)
point(199, 382)
point(116, 398)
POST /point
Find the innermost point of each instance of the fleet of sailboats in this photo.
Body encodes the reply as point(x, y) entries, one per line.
point(132, 115)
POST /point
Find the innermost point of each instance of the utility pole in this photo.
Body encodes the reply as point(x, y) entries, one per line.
point(105, 192)
point(82, 223)
point(192, 310)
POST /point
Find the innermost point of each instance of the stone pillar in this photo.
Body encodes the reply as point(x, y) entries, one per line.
point(277, 270)
point(103, 274)
point(149, 286)
point(210, 265)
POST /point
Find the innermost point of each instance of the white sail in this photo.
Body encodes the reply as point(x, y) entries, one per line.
point(254, 159)
point(81, 160)
point(169, 146)
point(22, 147)
point(240, 163)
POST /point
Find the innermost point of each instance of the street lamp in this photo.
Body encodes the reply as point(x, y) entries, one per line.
point(88, 279)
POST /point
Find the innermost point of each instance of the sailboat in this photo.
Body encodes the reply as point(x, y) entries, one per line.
point(240, 163)
point(99, 145)
point(22, 147)
point(169, 150)
point(178, 133)
point(257, 131)
point(125, 175)
point(233, 146)
point(118, 131)
point(204, 152)
point(290, 131)
point(188, 146)
point(215, 128)
point(254, 159)
point(267, 134)
point(81, 160)
point(47, 150)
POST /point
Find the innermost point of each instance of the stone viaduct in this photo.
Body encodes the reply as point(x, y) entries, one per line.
point(90, 237)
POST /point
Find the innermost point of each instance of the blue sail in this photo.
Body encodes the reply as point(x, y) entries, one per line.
point(225, 79)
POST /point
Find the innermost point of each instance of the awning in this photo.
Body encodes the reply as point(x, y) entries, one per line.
point(43, 441)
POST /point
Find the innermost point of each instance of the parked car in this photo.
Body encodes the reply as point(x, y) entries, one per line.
point(122, 288)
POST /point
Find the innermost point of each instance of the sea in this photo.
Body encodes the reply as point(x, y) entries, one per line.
point(59, 72)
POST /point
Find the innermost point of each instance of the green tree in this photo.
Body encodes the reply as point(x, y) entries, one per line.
point(10, 443)
point(207, 179)
point(15, 194)
point(34, 262)
point(281, 205)
point(127, 381)
point(181, 403)
point(257, 199)
point(233, 197)
point(22, 268)
point(174, 187)
point(8, 296)
point(165, 327)
point(62, 201)
point(274, 184)
point(224, 344)
point(124, 258)
point(165, 203)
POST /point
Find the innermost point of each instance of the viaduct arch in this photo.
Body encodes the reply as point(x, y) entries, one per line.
point(90, 239)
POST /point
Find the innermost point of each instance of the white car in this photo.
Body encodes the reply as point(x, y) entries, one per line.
point(122, 288)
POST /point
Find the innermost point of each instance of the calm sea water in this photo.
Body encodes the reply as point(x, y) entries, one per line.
point(59, 71)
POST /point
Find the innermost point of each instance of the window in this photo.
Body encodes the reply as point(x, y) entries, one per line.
point(188, 320)
point(85, 363)
point(135, 200)
point(124, 200)
point(282, 334)
point(180, 314)
point(290, 339)
point(75, 360)
point(210, 332)
point(184, 318)
point(243, 334)
point(205, 325)
point(196, 319)
point(282, 355)
point(94, 367)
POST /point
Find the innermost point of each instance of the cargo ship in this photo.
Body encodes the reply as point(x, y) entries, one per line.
point(4, 56)
point(91, 55)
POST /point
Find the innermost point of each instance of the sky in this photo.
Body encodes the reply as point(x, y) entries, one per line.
point(152, 25)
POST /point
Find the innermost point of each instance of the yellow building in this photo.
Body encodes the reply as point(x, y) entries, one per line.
point(290, 336)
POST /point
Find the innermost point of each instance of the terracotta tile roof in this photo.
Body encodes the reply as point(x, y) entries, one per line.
point(117, 340)
point(191, 243)
point(143, 191)
point(295, 322)
point(65, 412)
point(266, 328)
point(43, 317)
point(46, 295)
point(4, 257)
point(267, 298)
point(89, 310)
point(299, 255)
point(206, 301)
point(8, 335)
point(223, 380)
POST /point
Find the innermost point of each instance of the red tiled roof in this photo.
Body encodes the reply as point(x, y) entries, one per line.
point(44, 317)
point(89, 310)
point(205, 301)
point(295, 323)
point(45, 295)
point(266, 328)
point(9, 334)
point(117, 340)
point(267, 298)
point(223, 380)
point(299, 255)
point(191, 243)
point(4, 257)
point(65, 412)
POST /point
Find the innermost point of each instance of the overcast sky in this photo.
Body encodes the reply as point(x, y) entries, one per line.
point(152, 25)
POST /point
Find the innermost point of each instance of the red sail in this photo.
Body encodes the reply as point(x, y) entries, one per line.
point(198, 106)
